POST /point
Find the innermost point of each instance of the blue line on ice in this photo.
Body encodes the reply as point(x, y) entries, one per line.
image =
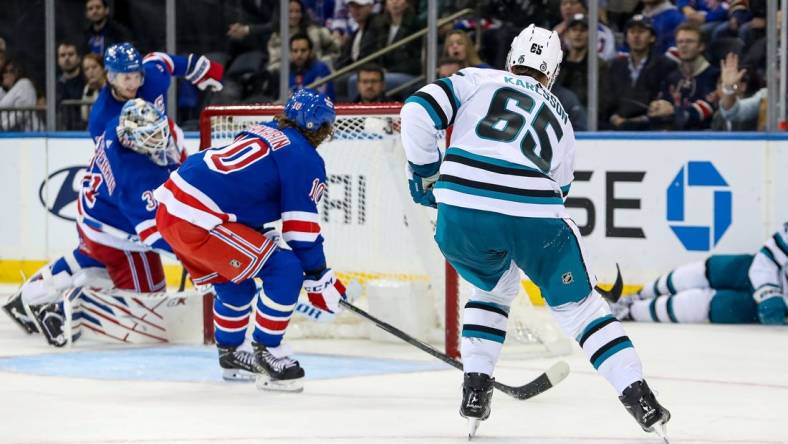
point(191, 364)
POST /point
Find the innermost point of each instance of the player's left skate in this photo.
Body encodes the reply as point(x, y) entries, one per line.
point(21, 315)
point(641, 403)
point(281, 373)
point(477, 390)
point(238, 365)
point(50, 321)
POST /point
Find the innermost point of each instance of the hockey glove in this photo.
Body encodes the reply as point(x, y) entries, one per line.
point(771, 305)
point(204, 73)
point(421, 181)
point(324, 290)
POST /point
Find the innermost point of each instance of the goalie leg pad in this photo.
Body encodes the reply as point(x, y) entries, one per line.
point(282, 279)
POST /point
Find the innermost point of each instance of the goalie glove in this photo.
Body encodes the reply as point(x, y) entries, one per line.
point(324, 290)
point(421, 180)
point(204, 73)
point(771, 305)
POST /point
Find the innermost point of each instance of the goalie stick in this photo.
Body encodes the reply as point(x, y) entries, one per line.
point(541, 383)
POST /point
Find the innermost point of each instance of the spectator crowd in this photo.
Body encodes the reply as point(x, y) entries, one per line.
point(663, 64)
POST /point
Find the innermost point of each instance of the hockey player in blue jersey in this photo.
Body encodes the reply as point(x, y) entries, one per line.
point(130, 76)
point(212, 211)
point(116, 221)
point(499, 190)
point(723, 289)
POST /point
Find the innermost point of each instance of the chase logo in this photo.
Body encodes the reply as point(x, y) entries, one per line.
point(693, 236)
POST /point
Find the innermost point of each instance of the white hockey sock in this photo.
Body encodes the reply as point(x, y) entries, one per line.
point(684, 277)
point(689, 306)
point(603, 340)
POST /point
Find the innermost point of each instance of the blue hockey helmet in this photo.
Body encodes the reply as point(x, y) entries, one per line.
point(146, 130)
point(310, 109)
point(122, 58)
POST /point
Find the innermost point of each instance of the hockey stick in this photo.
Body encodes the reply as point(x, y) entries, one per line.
point(182, 284)
point(614, 294)
point(541, 383)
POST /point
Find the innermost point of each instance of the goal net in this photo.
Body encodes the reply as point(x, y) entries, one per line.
point(379, 241)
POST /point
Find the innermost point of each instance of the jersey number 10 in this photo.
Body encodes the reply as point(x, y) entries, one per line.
point(504, 125)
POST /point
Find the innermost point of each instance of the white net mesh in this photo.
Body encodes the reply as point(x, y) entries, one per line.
point(376, 238)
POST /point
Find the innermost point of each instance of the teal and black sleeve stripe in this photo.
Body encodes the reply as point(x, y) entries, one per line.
point(448, 89)
point(433, 109)
point(768, 253)
point(780, 243)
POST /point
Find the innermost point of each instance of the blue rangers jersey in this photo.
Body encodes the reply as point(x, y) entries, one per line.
point(158, 69)
point(265, 175)
point(512, 147)
point(116, 206)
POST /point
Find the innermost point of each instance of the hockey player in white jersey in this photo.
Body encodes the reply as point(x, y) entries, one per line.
point(500, 190)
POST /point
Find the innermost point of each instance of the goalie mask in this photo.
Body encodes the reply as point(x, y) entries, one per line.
point(144, 129)
point(539, 49)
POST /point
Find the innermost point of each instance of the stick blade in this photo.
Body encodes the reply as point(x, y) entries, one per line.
point(551, 377)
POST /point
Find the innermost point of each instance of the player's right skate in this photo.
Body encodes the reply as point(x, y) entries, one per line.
point(22, 316)
point(238, 365)
point(477, 390)
point(280, 372)
point(641, 403)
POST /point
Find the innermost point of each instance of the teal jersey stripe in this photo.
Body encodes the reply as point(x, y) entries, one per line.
point(593, 324)
point(483, 335)
point(652, 309)
point(492, 161)
point(781, 243)
point(669, 282)
point(768, 253)
point(446, 81)
point(565, 189)
point(671, 314)
point(499, 195)
point(613, 350)
point(430, 110)
point(491, 304)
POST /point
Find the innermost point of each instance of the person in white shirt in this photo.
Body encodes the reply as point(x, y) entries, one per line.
point(17, 92)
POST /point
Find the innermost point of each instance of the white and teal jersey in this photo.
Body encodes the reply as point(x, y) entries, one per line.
point(770, 265)
point(512, 145)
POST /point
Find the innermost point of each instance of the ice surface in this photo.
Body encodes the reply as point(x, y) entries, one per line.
point(723, 384)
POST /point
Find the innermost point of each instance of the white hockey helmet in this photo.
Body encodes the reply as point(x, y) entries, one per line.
point(539, 49)
point(145, 129)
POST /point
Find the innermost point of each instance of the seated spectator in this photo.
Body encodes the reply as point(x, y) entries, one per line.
point(95, 78)
point(738, 15)
point(363, 41)
point(102, 32)
point(448, 66)
point(635, 79)
point(326, 49)
point(398, 21)
point(305, 68)
point(574, 69)
point(707, 14)
point(70, 85)
point(665, 18)
point(606, 46)
point(509, 17)
point(687, 99)
point(17, 92)
point(737, 112)
point(2, 53)
point(572, 106)
point(460, 47)
point(371, 85)
point(245, 71)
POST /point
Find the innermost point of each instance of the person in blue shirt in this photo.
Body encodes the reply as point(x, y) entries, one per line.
point(213, 211)
point(305, 68)
point(129, 75)
point(119, 243)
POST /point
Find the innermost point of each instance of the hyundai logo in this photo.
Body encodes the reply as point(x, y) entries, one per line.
point(59, 192)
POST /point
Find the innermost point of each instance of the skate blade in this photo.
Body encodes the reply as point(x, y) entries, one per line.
point(237, 375)
point(661, 430)
point(266, 383)
point(473, 425)
point(28, 328)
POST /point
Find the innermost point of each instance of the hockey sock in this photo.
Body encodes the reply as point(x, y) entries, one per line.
point(689, 306)
point(603, 340)
point(483, 334)
point(282, 279)
point(692, 275)
point(231, 309)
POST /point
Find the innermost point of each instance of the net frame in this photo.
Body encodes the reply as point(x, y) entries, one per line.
point(451, 291)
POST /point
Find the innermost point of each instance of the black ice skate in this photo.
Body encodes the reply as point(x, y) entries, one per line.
point(477, 390)
point(280, 372)
point(238, 365)
point(641, 403)
point(22, 316)
point(50, 320)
